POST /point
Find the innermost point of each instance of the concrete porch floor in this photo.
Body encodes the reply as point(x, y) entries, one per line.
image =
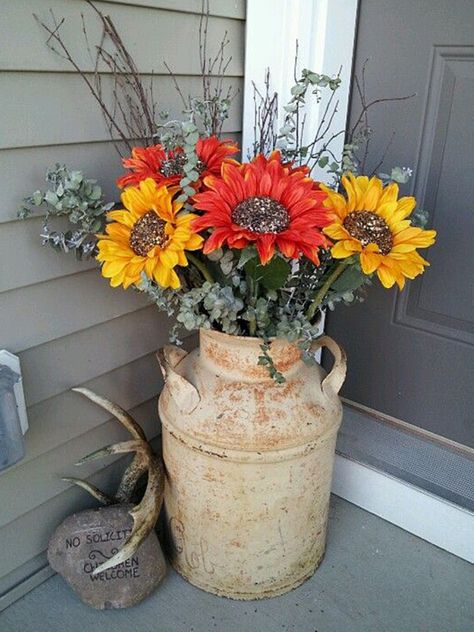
point(375, 578)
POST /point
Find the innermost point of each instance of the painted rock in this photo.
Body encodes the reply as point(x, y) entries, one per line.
point(87, 539)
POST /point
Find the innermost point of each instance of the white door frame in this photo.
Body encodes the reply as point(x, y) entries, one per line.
point(325, 30)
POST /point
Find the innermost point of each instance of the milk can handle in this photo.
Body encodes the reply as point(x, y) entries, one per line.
point(334, 380)
point(183, 392)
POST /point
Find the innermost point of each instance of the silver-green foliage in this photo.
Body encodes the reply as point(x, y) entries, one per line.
point(291, 140)
point(190, 136)
point(72, 195)
point(246, 298)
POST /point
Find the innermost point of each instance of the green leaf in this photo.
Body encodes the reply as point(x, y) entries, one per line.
point(323, 161)
point(245, 255)
point(96, 192)
point(188, 127)
point(351, 279)
point(298, 89)
point(192, 139)
point(272, 275)
point(37, 198)
point(51, 198)
point(96, 226)
point(189, 166)
point(313, 77)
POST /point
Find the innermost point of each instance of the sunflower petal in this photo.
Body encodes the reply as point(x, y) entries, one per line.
point(162, 275)
point(336, 231)
point(168, 258)
point(372, 195)
point(345, 248)
point(266, 248)
point(414, 237)
point(369, 261)
point(386, 276)
point(174, 280)
point(404, 208)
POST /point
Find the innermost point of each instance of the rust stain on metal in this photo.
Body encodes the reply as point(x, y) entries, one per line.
point(249, 468)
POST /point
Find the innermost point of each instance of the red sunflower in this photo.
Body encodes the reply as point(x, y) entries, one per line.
point(265, 203)
point(167, 167)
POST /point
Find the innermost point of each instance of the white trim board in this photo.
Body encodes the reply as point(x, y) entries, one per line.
point(427, 516)
point(325, 31)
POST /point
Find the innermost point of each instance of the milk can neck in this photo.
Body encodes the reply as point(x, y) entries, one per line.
point(237, 356)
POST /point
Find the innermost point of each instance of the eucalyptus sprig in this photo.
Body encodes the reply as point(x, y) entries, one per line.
point(291, 134)
point(72, 195)
point(191, 166)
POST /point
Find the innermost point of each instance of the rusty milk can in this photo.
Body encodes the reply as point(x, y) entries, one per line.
point(249, 463)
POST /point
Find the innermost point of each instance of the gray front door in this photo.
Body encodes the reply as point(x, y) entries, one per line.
point(411, 354)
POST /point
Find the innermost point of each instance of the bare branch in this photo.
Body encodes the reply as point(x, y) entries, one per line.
point(384, 154)
point(130, 112)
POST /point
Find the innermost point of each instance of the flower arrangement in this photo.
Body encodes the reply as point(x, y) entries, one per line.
point(255, 247)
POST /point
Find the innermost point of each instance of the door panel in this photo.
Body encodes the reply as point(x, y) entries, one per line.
point(411, 354)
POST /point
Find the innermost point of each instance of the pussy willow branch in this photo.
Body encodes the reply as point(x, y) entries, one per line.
point(126, 77)
point(375, 102)
point(384, 154)
point(298, 106)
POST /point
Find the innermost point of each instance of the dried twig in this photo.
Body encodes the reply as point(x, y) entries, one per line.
point(130, 111)
point(265, 118)
point(361, 129)
point(212, 106)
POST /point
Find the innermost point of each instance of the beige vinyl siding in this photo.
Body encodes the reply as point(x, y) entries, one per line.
point(57, 314)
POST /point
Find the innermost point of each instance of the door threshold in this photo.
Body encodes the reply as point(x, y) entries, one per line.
point(423, 486)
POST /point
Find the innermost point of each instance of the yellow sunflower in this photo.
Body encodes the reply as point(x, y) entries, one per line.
point(372, 221)
point(149, 235)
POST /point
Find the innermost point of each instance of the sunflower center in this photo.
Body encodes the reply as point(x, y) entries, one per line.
point(175, 166)
point(261, 214)
point(369, 228)
point(147, 232)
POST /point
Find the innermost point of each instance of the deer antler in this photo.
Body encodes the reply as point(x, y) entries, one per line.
point(138, 466)
point(105, 499)
point(146, 513)
point(125, 419)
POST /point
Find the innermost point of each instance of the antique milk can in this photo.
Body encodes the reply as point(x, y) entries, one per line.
point(248, 462)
